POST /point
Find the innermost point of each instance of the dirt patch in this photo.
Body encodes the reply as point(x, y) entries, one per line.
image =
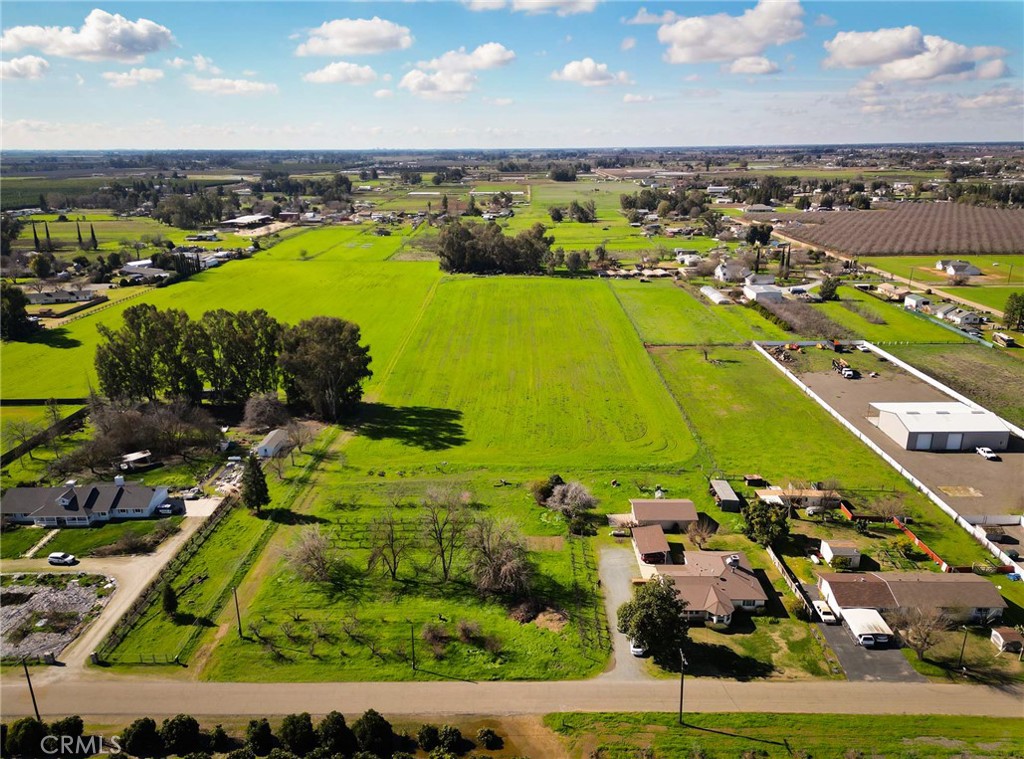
point(932, 740)
point(545, 542)
point(961, 491)
point(551, 620)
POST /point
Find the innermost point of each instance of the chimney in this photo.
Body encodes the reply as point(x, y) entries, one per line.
point(733, 561)
point(119, 480)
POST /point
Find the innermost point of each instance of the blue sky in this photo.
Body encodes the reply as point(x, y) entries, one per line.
point(508, 73)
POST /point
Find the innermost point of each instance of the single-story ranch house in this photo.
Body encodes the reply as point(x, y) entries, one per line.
point(80, 506)
point(962, 596)
point(714, 584)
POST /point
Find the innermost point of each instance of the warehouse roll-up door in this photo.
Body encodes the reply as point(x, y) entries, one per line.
point(955, 441)
point(924, 441)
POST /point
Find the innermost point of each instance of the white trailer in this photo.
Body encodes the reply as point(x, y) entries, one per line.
point(867, 627)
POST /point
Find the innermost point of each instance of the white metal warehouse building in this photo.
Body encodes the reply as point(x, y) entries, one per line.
point(942, 426)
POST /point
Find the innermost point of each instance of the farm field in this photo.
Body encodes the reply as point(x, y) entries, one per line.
point(773, 736)
point(861, 314)
point(523, 372)
point(665, 314)
point(24, 191)
point(382, 298)
point(987, 376)
point(942, 230)
point(995, 269)
point(994, 297)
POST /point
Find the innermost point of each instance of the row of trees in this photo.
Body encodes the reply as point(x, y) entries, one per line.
point(690, 203)
point(239, 354)
point(370, 736)
point(479, 249)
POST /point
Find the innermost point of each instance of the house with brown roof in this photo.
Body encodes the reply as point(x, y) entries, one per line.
point(671, 514)
point(715, 584)
point(961, 596)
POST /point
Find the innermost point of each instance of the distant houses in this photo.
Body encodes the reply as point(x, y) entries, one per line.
point(955, 268)
point(730, 271)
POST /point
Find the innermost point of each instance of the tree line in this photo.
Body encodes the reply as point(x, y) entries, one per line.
point(485, 249)
point(370, 736)
point(319, 362)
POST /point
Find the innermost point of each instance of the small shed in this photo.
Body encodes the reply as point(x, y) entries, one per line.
point(1007, 639)
point(272, 444)
point(668, 513)
point(651, 546)
point(724, 495)
point(916, 301)
point(830, 549)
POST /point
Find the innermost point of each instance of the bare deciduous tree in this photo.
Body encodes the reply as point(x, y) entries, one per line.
point(313, 557)
point(700, 532)
point(890, 506)
point(498, 559)
point(921, 629)
point(571, 499)
point(444, 527)
point(299, 435)
point(389, 543)
point(19, 432)
point(264, 411)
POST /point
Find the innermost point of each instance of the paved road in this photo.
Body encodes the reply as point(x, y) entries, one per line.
point(132, 573)
point(617, 568)
point(109, 697)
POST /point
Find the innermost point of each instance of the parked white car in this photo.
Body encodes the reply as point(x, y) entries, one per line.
point(825, 613)
point(987, 453)
point(58, 559)
point(636, 649)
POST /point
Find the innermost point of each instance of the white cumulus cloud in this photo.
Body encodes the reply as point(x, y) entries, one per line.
point(629, 97)
point(628, 44)
point(204, 64)
point(451, 76)
point(439, 85)
point(487, 56)
point(356, 36)
point(500, 102)
point(26, 67)
point(102, 37)
point(721, 37)
point(177, 63)
point(131, 78)
point(589, 73)
point(644, 16)
point(341, 72)
point(561, 7)
point(383, 93)
point(851, 50)
point(753, 64)
point(230, 86)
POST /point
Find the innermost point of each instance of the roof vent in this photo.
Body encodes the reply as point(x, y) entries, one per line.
point(734, 560)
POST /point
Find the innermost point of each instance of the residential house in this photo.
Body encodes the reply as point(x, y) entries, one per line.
point(72, 505)
point(60, 296)
point(940, 312)
point(958, 268)
point(960, 596)
point(730, 271)
point(963, 318)
point(916, 302)
point(715, 584)
point(671, 514)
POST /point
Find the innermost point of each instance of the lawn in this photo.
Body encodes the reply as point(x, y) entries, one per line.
point(14, 542)
point(995, 269)
point(85, 540)
point(665, 314)
point(384, 299)
point(993, 296)
point(774, 736)
point(988, 376)
point(522, 371)
point(861, 314)
point(984, 664)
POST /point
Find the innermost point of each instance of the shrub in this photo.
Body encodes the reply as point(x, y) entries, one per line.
point(180, 734)
point(468, 631)
point(335, 735)
point(141, 739)
point(428, 737)
point(297, 733)
point(259, 738)
point(241, 753)
point(25, 738)
point(72, 726)
point(374, 733)
point(489, 739)
point(219, 740)
point(796, 608)
point(542, 489)
point(449, 738)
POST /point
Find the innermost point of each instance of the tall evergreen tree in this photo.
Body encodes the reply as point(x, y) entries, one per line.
point(169, 600)
point(49, 242)
point(255, 494)
point(92, 237)
point(35, 237)
point(78, 228)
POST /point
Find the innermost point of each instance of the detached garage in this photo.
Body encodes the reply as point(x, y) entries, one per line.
point(949, 426)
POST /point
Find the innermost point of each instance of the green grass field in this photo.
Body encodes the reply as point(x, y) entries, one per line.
point(15, 542)
point(522, 372)
point(899, 325)
point(773, 736)
point(995, 269)
point(84, 541)
point(993, 296)
point(665, 314)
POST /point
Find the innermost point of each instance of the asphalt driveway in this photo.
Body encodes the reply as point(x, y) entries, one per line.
point(616, 568)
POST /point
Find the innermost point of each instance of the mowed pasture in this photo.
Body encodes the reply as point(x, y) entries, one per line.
point(665, 314)
point(522, 371)
point(384, 299)
point(941, 230)
point(871, 319)
point(995, 269)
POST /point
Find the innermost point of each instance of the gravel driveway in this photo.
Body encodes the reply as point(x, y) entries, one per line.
point(617, 567)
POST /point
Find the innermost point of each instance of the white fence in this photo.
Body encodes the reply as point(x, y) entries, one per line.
point(976, 532)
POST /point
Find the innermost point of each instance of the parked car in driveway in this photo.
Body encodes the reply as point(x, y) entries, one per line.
point(987, 453)
point(59, 559)
point(636, 649)
point(825, 612)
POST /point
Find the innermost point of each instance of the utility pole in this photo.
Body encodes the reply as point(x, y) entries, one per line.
point(35, 706)
point(960, 662)
point(238, 614)
point(682, 683)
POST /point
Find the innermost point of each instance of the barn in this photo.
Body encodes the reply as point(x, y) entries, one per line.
point(941, 426)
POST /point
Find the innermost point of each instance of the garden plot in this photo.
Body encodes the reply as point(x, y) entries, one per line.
point(43, 614)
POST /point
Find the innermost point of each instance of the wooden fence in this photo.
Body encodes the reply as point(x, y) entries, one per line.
point(71, 421)
point(791, 581)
